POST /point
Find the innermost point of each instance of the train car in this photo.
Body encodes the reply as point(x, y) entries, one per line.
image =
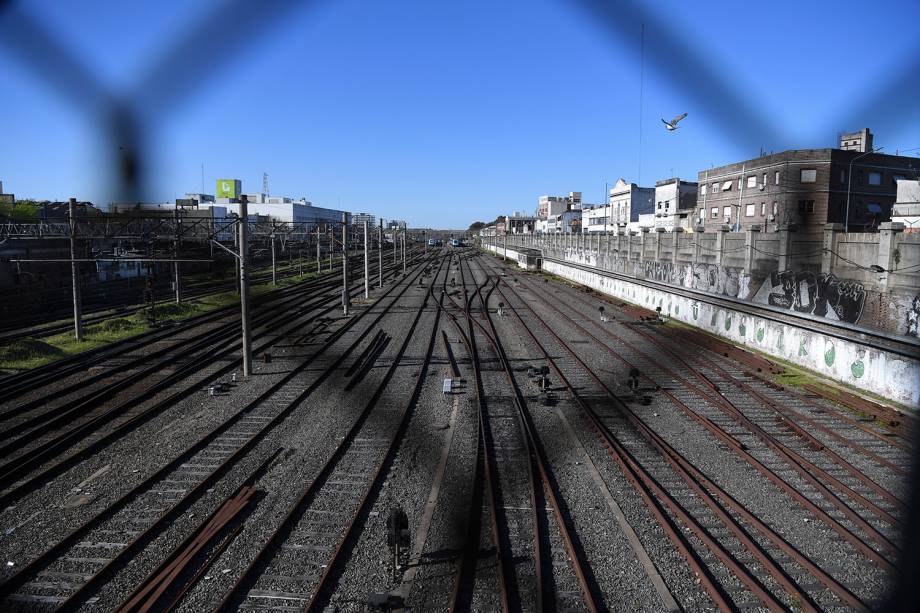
point(454, 242)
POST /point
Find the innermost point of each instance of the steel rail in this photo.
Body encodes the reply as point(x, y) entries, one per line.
point(51, 448)
point(844, 593)
point(291, 517)
point(743, 452)
point(625, 459)
point(33, 566)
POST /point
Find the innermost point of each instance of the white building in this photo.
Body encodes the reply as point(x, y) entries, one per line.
point(907, 205)
point(628, 201)
point(555, 205)
point(675, 202)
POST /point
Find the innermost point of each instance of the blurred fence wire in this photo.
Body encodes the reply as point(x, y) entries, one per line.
point(128, 117)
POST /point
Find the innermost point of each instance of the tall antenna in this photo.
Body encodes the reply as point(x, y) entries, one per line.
point(641, 99)
point(265, 183)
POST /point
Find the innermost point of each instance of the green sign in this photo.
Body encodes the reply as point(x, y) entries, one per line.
point(229, 188)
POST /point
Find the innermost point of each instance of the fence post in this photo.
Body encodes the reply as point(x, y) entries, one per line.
point(750, 235)
point(720, 243)
point(828, 257)
point(887, 245)
point(784, 233)
point(75, 270)
point(675, 242)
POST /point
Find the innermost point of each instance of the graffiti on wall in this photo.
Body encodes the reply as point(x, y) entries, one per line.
point(913, 317)
point(722, 280)
point(817, 293)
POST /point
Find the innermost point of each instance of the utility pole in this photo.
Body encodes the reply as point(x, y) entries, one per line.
point(244, 285)
point(395, 240)
point(331, 232)
point(272, 237)
point(318, 262)
point(404, 248)
point(367, 265)
point(380, 254)
point(74, 270)
point(176, 283)
point(346, 302)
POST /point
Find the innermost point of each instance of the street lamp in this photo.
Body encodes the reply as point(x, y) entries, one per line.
point(846, 221)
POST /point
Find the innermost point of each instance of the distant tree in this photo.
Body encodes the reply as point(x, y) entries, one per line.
point(476, 226)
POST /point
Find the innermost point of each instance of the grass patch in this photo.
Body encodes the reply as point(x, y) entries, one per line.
point(32, 352)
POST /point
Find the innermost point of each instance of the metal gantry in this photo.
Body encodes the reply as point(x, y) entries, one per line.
point(165, 235)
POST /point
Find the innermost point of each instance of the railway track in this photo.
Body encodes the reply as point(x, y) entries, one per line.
point(786, 564)
point(37, 447)
point(13, 385)
point(15, 329)
point(68, 573)
point(520, 490)
point(297, 565)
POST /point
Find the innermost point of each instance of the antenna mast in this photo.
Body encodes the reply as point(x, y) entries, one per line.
point(265, 184)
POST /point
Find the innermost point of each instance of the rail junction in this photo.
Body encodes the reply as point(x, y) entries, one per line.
point(468, 437)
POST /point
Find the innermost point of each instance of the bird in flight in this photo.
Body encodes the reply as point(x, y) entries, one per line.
point(672, 125)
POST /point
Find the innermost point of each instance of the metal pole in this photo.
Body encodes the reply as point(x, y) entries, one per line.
point(74, 270)
point(176, 283)
point(274, 276)
point(331, 245)
point(318, 262)
point(244, 285)
point(380, 254)
point(367, 265)
point(346, 302)
point(404, 249)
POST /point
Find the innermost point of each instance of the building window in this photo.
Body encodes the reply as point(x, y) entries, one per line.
point(843, 175)
point(727, 186)
point(809, 175)
point(715, 187)
point(727, 212)
point(749, 210)
point(702, 215)
point(659, 205)
point(752, 181)
point(874, 207)
point(703, 189)
point(875, 178)
point(806, 206)
point(763, 209)
point(775, 209)
point(776, 178)
point(715, 212)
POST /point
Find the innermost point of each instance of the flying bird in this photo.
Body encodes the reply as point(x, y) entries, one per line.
point(672, 125)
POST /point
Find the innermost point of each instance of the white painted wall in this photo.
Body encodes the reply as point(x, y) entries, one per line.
point(889, 375)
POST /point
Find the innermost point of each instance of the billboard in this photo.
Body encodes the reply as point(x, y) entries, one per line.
point(229, 188)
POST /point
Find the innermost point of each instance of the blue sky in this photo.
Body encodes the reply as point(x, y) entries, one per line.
point(445, 113)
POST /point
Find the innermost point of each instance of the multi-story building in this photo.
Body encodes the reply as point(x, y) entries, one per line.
point(626, 201)
point(554, 205)
point(675, 203)
point(520, 223)
point(803, 187)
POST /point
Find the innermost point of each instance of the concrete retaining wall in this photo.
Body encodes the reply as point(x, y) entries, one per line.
point(887, 374)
